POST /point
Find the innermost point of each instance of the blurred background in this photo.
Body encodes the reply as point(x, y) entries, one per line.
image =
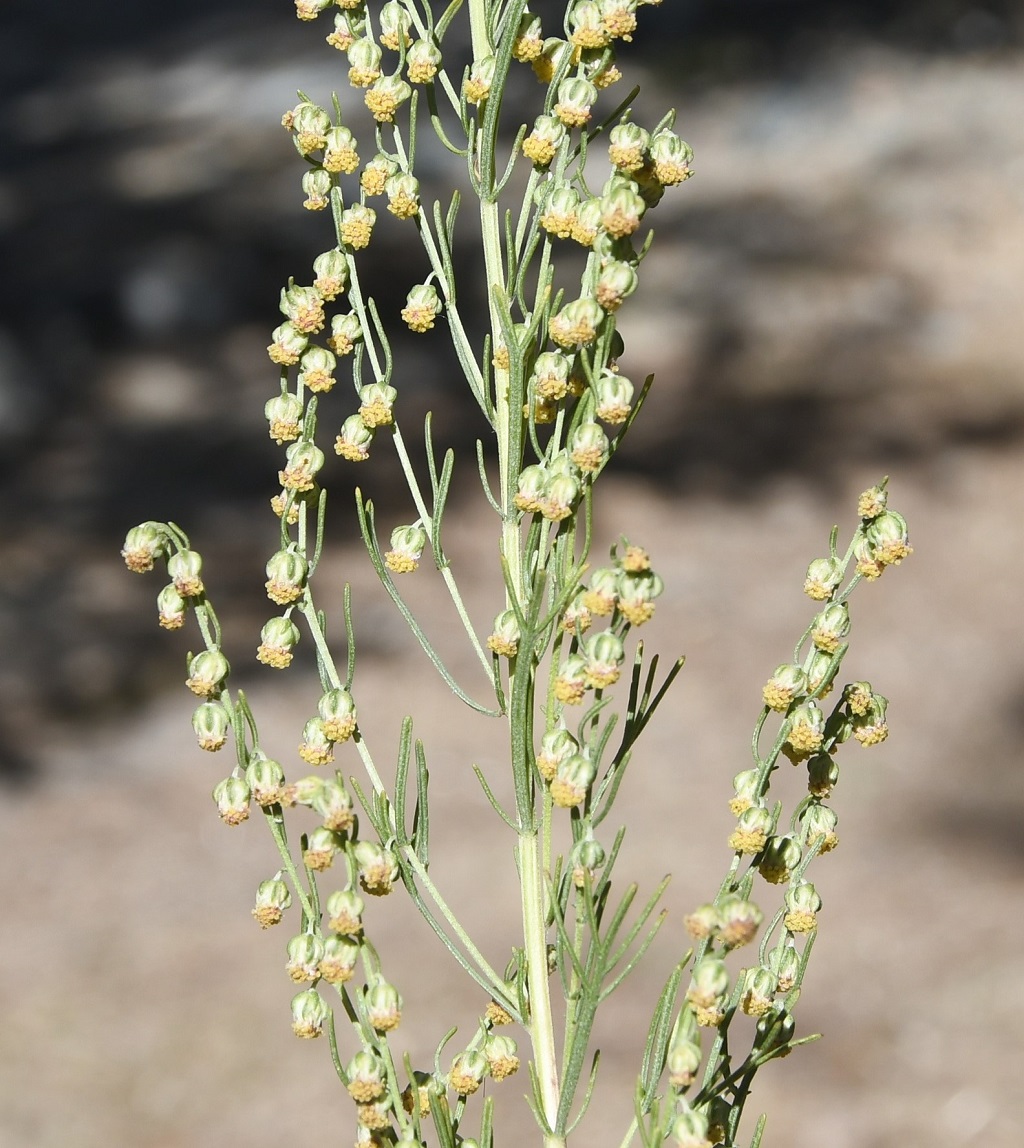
point(835, 296)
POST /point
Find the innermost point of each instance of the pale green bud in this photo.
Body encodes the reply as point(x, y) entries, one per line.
point(422, 306)
point(500, 1052)
point(303, 461)
point(207, 673)
point(309, 125)
point(171, 608)
point(575, 100)
point(670, 158)
point(870, 728)
point(383, 1006)
point(210, 723)
point(613, 397)
point(423, 61)
point(232, 798)
point(587, 856)
point(309, 1014)
point(806, 730)
point(872, 502)
point(785, 963)
point(690, 1129)
point(266, 780)
point(284, 414)
point(830, 627)
point(331, 271)
point(571, 682)
point(820, 673)
point(819, 828)
point(622, 208)
point(310, 9)
point(555, 746)
point(316, 748)
point(803, 904)
point(272, 898)
point(304, 953)
point(286, 576)
point(589, 447)
point(543, 142)
point(316, 186)
point(753, 825)
point(888, 538)
point(577, 324)
point(636, 596)
point(334, 805)
point(683, 1061)
point(573, 779)
point(386, 96)
point(615, 282)
point(740, 920)
point(550, 377)
point(604, 653)
point(478, 83)
point(366, 1076)
point(278, 639)
point(183, 568)
point(788, 682)
point(824, 575)
point(559, 214)
point(745, 786)
point(321, 845)
point(377, 868)
point(504, 637)
point(348, 27)
point(560, 496)
point(338, 964)
point(530, 486)
point(345, 910)
point(394, 23)
point(316, 370)
point(603, 592)
point(759, 987)
point(627, 144)
point(337, 710)
point(407, 543)
point(822, 775)
point(356, 229)
point(143, 545)
point(364, 59)
point(780, 857)
point(346, 331)
point(774, 1030)
point(354, 440)
point(468, 1072)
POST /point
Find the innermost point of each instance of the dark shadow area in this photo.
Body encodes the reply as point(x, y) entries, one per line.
point(149, 214)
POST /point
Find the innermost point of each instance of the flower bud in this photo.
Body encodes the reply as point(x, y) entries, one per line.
point(395, 23)
point(703, 922)
point(278, 639)
point(286, 504)
point(183, 568)
point(364, 59)
point(316, 748)
point(385, 97)
point(286, 577)
point(560, 497)
point(636, 596)
point(787, 683)
point(365, 1074)
point(288, 344)
point(316, 186)
point(550, 377)
point(586, 227)
point(376, 174)
point(830, 627)
point(806, 730)
point(745, 786)
point(303, 460)
point(232, 798)
point(210, 723)
point(752, 828)
point(171, 608)
point(820, 674)
point(284, 414)
point(321, 845)
point(577, 324)
point(555, 747)
point(207, 673)
point(870, 728)
point(604, 653)
point(309, 1014)
point(824, 576)
point(338, 964)
point(407, 543)
point(304, 953)
point(355, 231)
point(683, 1061)
point(615, 283)
point(759, 987)
point(422, 62)
point(331, 271)
point(620, 17)
point(345, 912)
point(468, 1071)
point(272, 898)
point(573, 778)
point(577, 617)
point(334, 805)
point(530, 486)
point(377, 868)
point(377, 402)
point(588, 25)
point(504, 638)
point(819, 828)
point(346, 331)
point(529, 41)
point(622, 208)
point(888, 538)
point(626, 146)
point(559, 214)
point(143, 545)
point(310, 9)
point(803, 904)
point(403, 192)
point(588, 447)
point(785, 964)
point(613, 397)
point(478, 83)
point(500, 1053)
point(872, 502)
point(353, 442)
point(690, 1130)
point(740, 920)
point(372, 1118)
point(266, 780)
point(348, 27)
point(571, 681)
point(304, 307)
point(575, 99)
point(309, 125)
point(822, 775)
point(868, 565)
point(337, 711)
point(774, 1030)
point(543, 142)
point(422, 306)
point(708, 989)
point(316, 370)
point(780, 857)
point(603, 593)
point(670, 158)
point(383, 1006)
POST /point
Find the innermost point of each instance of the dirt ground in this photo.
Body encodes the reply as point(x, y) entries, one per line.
point(144, 1007)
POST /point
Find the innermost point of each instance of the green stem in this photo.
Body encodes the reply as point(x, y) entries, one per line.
point(541, 1021)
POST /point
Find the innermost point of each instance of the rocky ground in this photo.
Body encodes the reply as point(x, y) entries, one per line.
point(836, 296)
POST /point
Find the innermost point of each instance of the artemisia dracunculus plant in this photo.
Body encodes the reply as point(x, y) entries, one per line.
point(562, 201)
